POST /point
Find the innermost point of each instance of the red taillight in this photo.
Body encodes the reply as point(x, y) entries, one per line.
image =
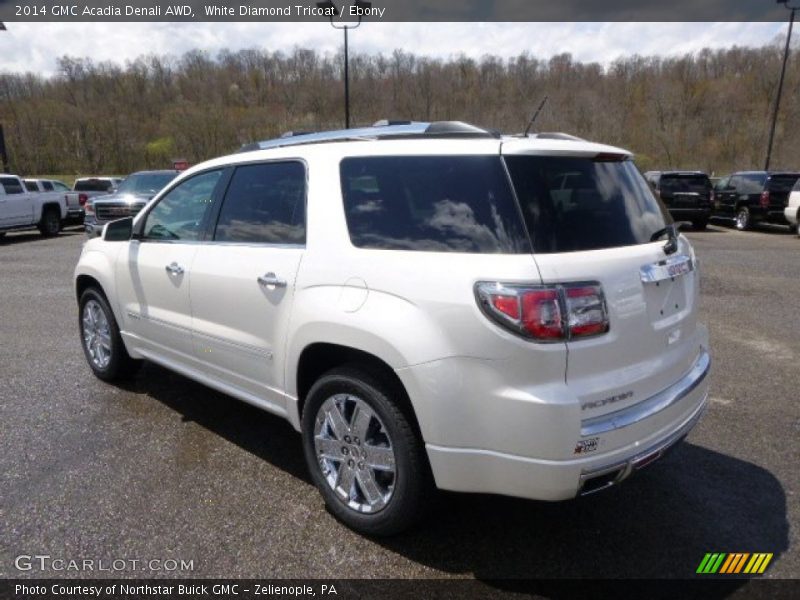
point(89, 208)
point(764, 200)
point(586, 309)
point(545, 313)
point(82, 199)
point(541, 314)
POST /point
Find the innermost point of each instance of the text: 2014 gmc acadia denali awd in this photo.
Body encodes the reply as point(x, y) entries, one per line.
point(430, 305)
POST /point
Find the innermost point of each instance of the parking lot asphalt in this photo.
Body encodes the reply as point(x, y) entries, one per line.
point(164, 468)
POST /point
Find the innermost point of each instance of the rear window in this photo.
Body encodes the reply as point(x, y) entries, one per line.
point(92, 185)
point(699, 184)
point(781, 183)
point(575, 203)
point(145, 183)
point(431, 203)
point(751, 183)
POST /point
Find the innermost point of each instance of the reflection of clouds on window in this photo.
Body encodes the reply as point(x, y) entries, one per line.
point(368, 206)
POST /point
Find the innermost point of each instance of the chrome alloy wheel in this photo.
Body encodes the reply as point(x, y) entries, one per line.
point(742, 219)
point(96, 334)
point(355, 453)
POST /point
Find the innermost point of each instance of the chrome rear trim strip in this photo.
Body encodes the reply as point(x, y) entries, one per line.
point(655, 404)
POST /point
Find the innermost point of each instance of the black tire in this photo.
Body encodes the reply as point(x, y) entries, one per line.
point(797, 227)
point(742, 220)
point(412, 489)
point(700, 224)
point(119, 364)
point(2, 234)
point(50, 224)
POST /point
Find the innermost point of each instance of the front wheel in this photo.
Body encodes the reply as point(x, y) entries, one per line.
point(102, 343)
point(743, 221)
point(363, 453)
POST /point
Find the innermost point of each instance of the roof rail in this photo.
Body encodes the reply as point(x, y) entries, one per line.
point(381, 130)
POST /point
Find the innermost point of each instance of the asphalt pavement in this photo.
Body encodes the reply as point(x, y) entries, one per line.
point(163, 469)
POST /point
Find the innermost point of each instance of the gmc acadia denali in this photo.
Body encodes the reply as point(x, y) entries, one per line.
point(429, 305)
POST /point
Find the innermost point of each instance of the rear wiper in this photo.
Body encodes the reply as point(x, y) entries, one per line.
point(672, 237)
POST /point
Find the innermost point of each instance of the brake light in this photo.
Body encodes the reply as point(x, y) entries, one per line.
point(764, 200)
point(89, 208)
point(545, 313)
point(82, 199)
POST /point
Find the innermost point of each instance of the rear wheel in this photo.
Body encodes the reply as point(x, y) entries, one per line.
point(101, 340)
point(50, 224)
point(743, 221)
point(363, 453)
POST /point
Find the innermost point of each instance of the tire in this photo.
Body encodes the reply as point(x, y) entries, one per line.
point(50, 224)
point(700, 224)
point(100, 339)
point(797, 227)
point(742, 220)
point(2, 234)
point(374, 501)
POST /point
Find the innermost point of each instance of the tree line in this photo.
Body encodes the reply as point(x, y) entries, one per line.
point(709, 110)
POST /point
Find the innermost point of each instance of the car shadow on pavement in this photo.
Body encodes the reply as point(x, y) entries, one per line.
point(269, 437)
point(14, 237)
point(658, 524)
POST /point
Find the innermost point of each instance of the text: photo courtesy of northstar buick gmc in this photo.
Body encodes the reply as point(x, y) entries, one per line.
point(429, 305)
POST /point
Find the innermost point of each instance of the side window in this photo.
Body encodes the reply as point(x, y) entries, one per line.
point(735, 184)
point(60, 187)
point(30, 186)
point(264, 204)
point(796, 187)
point(48, 187)
point(752, 184)
point(180, 214)
point(11, 185)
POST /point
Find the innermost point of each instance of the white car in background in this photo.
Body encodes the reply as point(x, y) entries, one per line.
point(792, 210)
point(430, 305)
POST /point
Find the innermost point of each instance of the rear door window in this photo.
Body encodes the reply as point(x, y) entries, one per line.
point(751, 183)
point(11, 185)
point(264, 204)
point(432, 203)
point(579, 203)
point(31, 186)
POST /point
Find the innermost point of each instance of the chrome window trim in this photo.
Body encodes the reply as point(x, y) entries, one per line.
point(653, 405)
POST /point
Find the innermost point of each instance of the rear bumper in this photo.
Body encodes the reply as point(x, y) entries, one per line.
point(690, 214)
point(638, 435)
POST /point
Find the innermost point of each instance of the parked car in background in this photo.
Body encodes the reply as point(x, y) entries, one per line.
point(688, 195)
point(409, 298)
point(128, 199)
point(792, 210)
point(21, 209)
point(85, 188)
point(55, 187)
point(751, 197)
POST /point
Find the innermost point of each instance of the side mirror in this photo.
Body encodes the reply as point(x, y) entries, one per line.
point(118, 231)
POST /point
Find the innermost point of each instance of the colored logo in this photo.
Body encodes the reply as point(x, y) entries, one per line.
point(733, 563)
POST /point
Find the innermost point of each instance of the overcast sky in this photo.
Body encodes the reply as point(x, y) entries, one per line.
point(35, 47)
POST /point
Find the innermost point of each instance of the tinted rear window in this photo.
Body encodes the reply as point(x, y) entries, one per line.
point(431, 203)
point(575, 203)
point(699, 184)
point(781, 183)
point(92, 185)
point(145, 183)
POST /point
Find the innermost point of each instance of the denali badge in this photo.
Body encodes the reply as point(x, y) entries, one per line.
point(592, 404)
point(586, 446)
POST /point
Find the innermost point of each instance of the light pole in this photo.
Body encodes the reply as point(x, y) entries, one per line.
point(362, 6)
point(3, 152)
point(792, 10)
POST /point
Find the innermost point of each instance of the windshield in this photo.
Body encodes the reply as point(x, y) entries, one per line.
point(699, 184)
point(578, 203)
point(145, 183)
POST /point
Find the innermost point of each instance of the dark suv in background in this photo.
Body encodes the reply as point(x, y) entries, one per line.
point(750, 197)
point(688, 195)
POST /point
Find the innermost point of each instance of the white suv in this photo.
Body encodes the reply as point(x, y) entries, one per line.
point(792, 210)
point(429, 305)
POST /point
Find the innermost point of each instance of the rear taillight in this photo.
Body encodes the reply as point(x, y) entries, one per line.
point(764, 200)
point(89, 208)
point(545, 313)
point(82, 199)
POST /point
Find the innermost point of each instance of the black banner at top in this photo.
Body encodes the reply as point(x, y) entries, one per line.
point(394, 10)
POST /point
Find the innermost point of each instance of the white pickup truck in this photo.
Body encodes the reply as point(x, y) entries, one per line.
point(21, 209)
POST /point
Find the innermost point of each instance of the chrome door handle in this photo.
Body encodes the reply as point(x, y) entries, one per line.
point(271, 279)
point(174, 269)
